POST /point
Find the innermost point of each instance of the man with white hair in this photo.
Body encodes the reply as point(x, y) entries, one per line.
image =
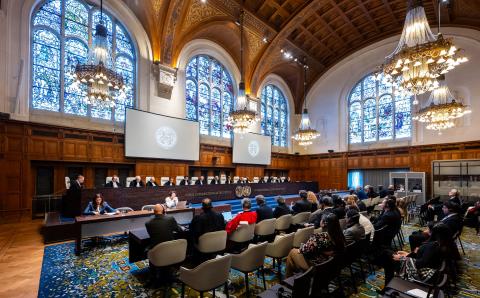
point(247, 215)
point(454, 196)
point(137, 182)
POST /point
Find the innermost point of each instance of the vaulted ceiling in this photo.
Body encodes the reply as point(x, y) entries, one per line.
point(323, 31)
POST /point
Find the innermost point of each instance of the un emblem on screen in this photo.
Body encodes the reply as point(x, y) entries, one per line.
point(253, 148)
point(166, 137)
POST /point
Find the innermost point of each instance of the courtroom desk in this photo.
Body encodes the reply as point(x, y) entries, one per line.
point(137, 197)
point(97, 225)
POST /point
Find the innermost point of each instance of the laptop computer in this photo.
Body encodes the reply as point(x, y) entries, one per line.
point(227, 215)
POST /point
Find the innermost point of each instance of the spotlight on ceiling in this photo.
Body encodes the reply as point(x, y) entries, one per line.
point(265, 40)
point(203, 1)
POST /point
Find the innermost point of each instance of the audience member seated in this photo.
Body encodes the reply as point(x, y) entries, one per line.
point(391, 190)
point(247, 216)
point(185, 181)
point(206, 222)
point(312, 198)
point(162, 227)
point(431, 208)
point(137, 182)
point(201, 181)
point(382, 192)
point(170, 182)
point(318, 247)
point(422, 264)
point(352, 200)
point(402, 206)
point(390, 218)
point(151, 182)
point(472, 217)
point(263, 210)
point(302, 205)
point(364, 221)
point(115, 182)
point(361, 194)
point(172, 200)
point(338, 207)
point(77, 184)
point(98, 206)
point(452, 220)
point(326, 206)
point(371, 192)
point(455, 197)
point(281, 209)
point(215, 180)
point(354, 230)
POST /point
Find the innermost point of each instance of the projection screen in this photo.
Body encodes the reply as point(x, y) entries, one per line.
point(252, 148)
point(150, 135)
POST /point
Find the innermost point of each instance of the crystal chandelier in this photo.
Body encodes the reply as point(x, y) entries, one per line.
point(242, 118)
point(443, 109)
point(98, 74)
point(305, 134)
point(420, 57)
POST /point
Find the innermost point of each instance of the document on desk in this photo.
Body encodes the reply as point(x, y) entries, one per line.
point(110, 213)
point(418, 293)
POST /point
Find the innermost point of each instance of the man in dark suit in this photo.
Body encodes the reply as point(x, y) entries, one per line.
point(382, 192)
point(452, 220)
point(185, 181)
point(169, 182)
point(390, 218)
point(215, 180)
point(162, 227)
point(208, 221)
point(114, 183)
point(262, 180)
point(455, 197)
point(326, 206)
point(263, 210)
point(200, 181)
point(152, 183)
point(281, 209)
point(354, 230)
point(77, 184)
point(302, 205)
point(137, 182)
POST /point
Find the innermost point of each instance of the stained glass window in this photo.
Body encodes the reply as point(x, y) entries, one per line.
point(274, 111)
point(377, 113)
point(209, 95)
point(62, 32)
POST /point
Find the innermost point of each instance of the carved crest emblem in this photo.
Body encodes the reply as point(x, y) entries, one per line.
point(243, 191)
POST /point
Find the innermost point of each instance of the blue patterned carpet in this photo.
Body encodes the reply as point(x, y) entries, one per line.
point(103, 271)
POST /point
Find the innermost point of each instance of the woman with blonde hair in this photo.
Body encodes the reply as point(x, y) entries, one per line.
point(312, 198)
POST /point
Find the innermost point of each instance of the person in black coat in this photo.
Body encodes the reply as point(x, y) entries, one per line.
point(201, 181)
point(215, 180)
point(390, 218)
point(281, 209)
point(302, 205)
point(262, 180)
point(326, 206)
point(162, 227)
point(382, 192)
point(77, 184)
point(137, 182)
point(208, 221)
point(338, 207)
point(185, 181)
point(452, 220)
point(169, 182)
point(455, 197)
point(114, 183)
point(151, 182)
point(263, 210)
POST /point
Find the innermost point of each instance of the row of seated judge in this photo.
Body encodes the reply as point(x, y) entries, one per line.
point(137, 181)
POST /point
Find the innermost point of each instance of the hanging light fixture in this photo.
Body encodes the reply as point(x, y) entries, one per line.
point(242, 118)
point(98, 74)
point(443, 109)
point(421, 56)
point(305, 135)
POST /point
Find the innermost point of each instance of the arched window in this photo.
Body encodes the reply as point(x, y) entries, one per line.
point(209, 95)
point(377, 113)
point(274, 115)
point(62, 31)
